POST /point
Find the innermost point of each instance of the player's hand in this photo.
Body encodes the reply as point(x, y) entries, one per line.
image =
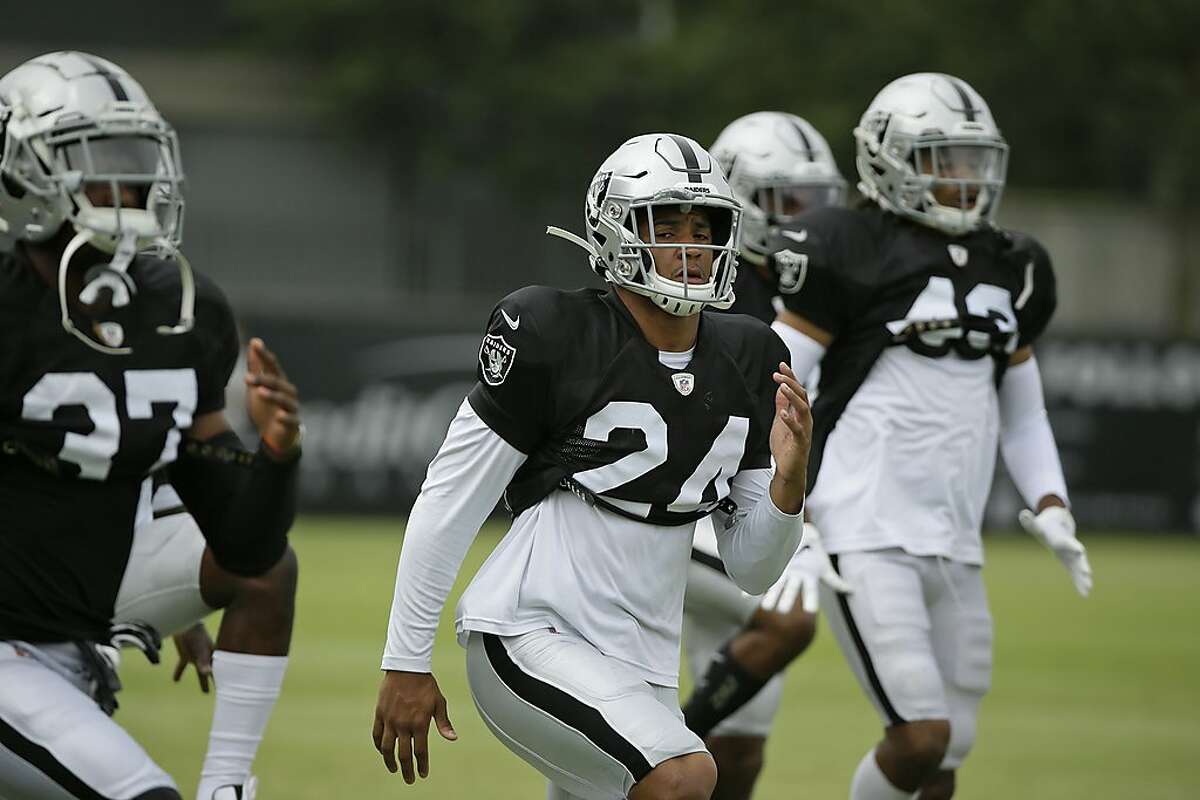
point(272, 400)
point(407, 702)
point(791, 435)
point(805, 573)
point(1055, 528)
point(195, 647)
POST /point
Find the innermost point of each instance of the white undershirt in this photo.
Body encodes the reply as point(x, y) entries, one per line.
point(675, 360)
point(616, 582)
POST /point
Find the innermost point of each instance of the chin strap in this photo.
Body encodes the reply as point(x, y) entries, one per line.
point(573, 239)
point(187, 294)
point(115, 277)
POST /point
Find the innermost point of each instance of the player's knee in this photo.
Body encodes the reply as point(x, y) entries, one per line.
point(939, 787)
point(690, 777)
point(921, 744)
point(739, 758)
point(277, 586)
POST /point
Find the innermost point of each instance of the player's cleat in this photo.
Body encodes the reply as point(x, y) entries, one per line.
point(246, 791)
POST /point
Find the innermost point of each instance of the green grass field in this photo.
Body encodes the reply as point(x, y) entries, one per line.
point(1091, 699)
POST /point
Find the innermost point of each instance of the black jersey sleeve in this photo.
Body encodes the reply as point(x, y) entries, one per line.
point(217, 334)
point(1038, 298)
point(516, 368)
point(813, 264)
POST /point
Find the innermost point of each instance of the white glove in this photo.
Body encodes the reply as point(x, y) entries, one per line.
point(1055, 528)
point(803, 576)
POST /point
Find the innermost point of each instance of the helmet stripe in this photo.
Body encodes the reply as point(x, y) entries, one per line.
point(968, 108)
point(690, 161)
point(808, 149)
point(114, 82)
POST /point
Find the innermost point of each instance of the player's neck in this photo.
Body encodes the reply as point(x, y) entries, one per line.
point(663, 331)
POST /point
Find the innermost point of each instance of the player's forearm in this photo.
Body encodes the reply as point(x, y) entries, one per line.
point(1027, 440)
point(758, 544)
point(432, 554)
point(788, 495)
point(463, 484)
point(244, 503)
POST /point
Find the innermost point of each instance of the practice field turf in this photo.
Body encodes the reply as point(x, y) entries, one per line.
point(1091, 699)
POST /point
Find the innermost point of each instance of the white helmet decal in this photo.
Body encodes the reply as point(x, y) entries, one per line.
point(651, 172)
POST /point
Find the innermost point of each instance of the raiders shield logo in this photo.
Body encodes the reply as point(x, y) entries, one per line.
point(958, 254)
point(684, 382)
point(792, 268)
point(496, 359)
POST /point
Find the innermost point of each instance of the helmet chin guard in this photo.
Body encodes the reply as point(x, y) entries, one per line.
point(114, 276)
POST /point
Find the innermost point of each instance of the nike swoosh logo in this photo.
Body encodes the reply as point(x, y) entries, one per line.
point(512, 323)
point(802, 236)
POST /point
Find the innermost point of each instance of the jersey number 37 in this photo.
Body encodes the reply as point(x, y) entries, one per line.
point(93, 452)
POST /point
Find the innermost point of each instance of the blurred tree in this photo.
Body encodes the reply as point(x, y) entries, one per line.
point(1097, 95)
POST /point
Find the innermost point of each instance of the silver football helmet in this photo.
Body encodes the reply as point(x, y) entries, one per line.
point(650, 172)
point(80, 138)
point(778, 166)
point(927, 138)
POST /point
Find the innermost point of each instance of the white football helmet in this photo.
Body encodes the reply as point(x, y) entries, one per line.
point(73, 122)
point(926, 131)
point(778, 166)
point(648, 172)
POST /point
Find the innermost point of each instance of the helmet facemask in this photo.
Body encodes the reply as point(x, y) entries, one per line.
point(118, 181)
point(963, 181)
point(700, 273)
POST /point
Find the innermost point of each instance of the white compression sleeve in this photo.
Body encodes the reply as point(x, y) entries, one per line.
point(758, 541)
point(464, 482)
point(806, 351)
point(1026, 440)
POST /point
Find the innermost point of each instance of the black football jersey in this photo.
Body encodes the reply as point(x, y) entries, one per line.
point(753, 294)
point(568, 379)
point(80, 430)
point(874, 280)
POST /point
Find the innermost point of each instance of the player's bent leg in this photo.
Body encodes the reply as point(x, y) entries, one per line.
point(161, 584)
point(738, 741)
point(884, 631)
point(910, 754)
point(940, 787)
point(740, 761)
point(690, 777)
point(56, 743)
point(735, 647)
point(773, 639)
point(962, 640)
point(248, 665)
point(589, 723)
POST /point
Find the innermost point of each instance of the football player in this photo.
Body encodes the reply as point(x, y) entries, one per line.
point(115, 361)
point(172, 581)
point(923, 316)
point(610, 421)
point(778, 166)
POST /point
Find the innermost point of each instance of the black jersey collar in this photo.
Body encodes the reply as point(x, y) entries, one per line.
point(703, 335)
